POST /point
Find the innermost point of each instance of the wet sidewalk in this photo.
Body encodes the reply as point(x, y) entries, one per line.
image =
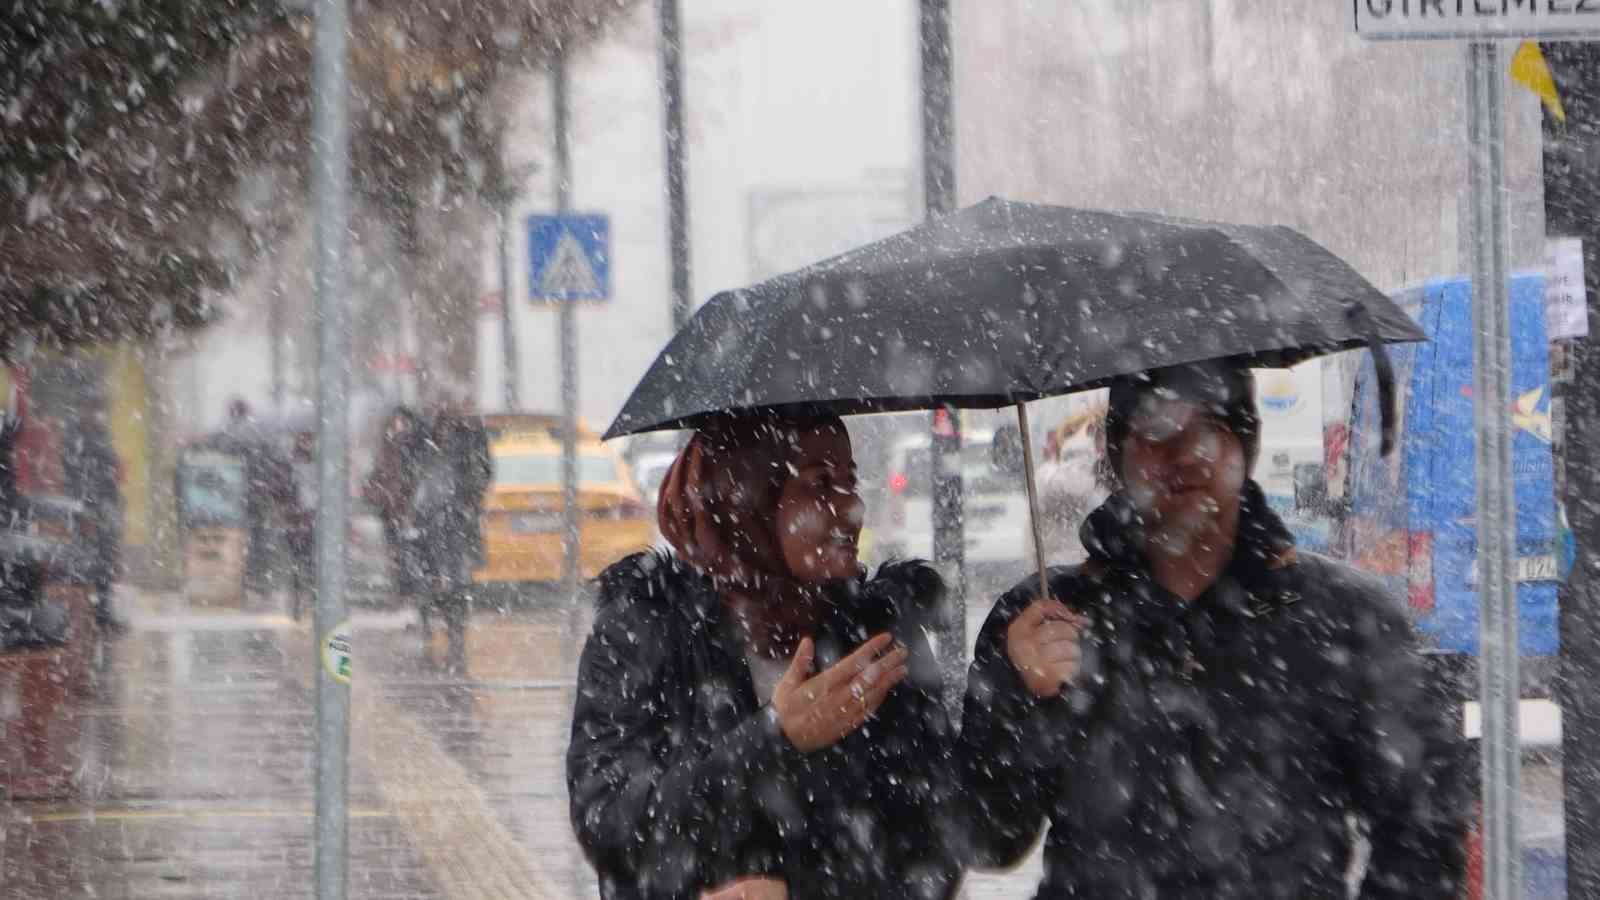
point(193, 757)
point(194, 754)
point(195, 761)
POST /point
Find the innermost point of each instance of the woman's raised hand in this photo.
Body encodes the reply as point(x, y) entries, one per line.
point(816, 711)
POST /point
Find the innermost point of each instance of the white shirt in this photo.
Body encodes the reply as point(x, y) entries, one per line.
point(765, 673)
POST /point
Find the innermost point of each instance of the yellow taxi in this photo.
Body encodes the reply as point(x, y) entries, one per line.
point(522, 510)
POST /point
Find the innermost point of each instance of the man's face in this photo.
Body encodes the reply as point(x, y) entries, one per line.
point(1184, 470)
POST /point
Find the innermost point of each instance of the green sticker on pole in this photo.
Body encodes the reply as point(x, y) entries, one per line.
point(336, 652)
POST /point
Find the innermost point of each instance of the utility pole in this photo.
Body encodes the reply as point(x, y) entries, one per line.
point(939, 196)
point(568, 327)
point(1499, 665)
point(330, 175)
point(508, 337)
point(677, 179)
point(275, 351)
point(1572, 209)
point(505, 200)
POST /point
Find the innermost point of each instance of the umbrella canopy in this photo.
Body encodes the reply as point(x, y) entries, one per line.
point(1002, 303)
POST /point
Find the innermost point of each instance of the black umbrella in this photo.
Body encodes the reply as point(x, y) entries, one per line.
point(1002, 303)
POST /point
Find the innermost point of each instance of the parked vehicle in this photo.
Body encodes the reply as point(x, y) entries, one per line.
point(500, 426)
point(1411, 517)
point(996, 507)
point(522, 513)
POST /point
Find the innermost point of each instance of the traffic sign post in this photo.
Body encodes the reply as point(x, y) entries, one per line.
point(1500, 691)
point(330, 169)
point(569, 257)
point(1481, 22)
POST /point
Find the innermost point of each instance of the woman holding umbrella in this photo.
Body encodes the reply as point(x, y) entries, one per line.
point(755, 717)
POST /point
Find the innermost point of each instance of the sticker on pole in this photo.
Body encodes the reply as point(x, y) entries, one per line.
point(1566, 308)
point(569, 257)
point(336, 652)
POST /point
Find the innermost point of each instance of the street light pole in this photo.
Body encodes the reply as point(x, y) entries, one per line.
point(330, 167)
point(939, 194)
point(568, 327)
point(508, 337)
point(677, 178)
point(1496, 510)
point(275, 348)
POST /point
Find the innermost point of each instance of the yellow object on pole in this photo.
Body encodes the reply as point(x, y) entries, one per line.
point(1528, 68)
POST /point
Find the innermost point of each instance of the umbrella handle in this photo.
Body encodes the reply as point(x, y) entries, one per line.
point(1033, 498)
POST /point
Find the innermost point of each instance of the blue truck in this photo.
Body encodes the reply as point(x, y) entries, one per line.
point(1410, 518)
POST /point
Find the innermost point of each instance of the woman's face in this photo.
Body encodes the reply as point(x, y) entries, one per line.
point(819, 512)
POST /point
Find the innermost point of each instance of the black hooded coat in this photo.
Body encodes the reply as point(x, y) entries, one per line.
point(1219, 748)
point(681, 781)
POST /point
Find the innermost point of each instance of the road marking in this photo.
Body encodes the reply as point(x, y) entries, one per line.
point(123, 814)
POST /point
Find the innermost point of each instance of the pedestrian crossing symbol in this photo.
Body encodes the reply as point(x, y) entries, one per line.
point(569, 257)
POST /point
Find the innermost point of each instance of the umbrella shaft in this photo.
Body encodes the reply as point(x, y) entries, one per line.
point(1033, 498)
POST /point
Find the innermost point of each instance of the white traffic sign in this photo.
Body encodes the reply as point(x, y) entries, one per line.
point(1476, 19)
point(568, 273)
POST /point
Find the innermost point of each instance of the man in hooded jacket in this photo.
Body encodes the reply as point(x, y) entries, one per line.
point(1199, 710)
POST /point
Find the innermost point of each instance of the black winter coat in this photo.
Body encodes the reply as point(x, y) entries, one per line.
point(1220, 748)
point(680, 781)
point(91, 469)
point(455, 470)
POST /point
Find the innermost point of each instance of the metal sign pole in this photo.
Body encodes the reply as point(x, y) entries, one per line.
point(568, 328)
point(944, 441)
point(569, 349)
point(330, 151)
point(508, 337)
point(677, 178)
point(1491, 361)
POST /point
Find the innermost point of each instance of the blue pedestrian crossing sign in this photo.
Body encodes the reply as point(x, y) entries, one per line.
point(569, 257)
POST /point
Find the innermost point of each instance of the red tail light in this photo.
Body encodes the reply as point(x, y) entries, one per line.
point(1419, 571)
point(897, 483)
